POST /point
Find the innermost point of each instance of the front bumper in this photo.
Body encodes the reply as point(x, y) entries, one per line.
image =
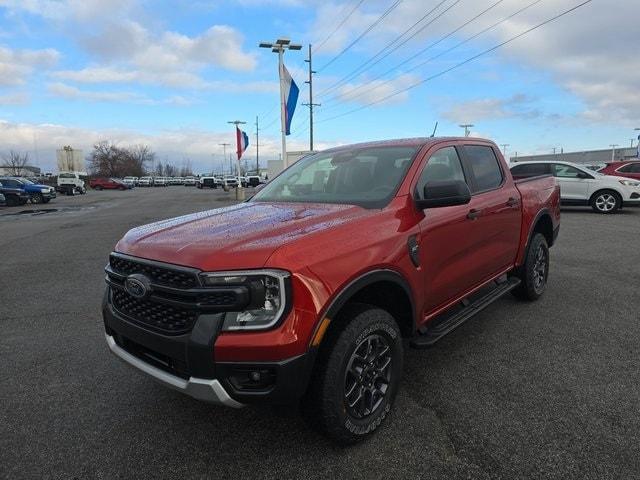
point(208, 390)
point(186, 363)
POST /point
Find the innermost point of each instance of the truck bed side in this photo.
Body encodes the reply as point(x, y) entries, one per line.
point(540, 197)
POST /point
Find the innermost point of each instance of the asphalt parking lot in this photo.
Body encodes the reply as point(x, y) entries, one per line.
point(543, 390)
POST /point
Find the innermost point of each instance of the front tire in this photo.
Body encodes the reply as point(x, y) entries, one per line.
point(357, 375)
point(36, 198)
point(535, 271)
point(606, 202)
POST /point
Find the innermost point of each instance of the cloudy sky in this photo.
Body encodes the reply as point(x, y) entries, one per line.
point(171, 73)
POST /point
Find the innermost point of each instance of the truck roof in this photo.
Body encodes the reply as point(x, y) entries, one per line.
point(409, 142)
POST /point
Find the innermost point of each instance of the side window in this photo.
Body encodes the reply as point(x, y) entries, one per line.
point(443, 165)
point(485, 166)
point(565, 171)
point(531, 169)
point(626, 168)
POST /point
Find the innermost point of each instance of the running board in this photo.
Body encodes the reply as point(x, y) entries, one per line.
point(466, 309)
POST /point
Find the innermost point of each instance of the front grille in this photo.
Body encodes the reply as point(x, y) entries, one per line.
point(161, 275)
point(157, 316)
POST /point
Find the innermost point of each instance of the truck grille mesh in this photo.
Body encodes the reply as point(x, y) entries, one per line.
point(157, 316)
point(159, 275)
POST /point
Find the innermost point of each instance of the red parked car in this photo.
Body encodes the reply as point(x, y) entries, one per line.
point(628, 169)
point(306, 291)
point(108, 184)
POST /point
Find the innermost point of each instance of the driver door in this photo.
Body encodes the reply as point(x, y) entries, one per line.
point(447, 235)
point(572, 186)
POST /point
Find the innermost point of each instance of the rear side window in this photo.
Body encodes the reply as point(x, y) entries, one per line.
point(565, 171)
point(630, 168)
point(531, 169)
point(485, 166)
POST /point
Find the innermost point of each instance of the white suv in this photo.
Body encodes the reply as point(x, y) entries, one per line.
point(581, 186)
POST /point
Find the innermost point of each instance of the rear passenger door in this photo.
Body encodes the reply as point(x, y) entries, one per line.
point(573, 185)
point(496, 210)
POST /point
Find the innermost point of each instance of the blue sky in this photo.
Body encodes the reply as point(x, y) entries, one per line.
point(171, 73)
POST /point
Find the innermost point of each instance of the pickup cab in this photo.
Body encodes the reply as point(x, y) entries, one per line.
point(310, 290)
point(13, 196)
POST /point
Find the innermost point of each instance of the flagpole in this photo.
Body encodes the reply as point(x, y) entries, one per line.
point(283, 109)
point(239, 188)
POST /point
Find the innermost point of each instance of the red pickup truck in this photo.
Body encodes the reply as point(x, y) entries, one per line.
point(307, 290)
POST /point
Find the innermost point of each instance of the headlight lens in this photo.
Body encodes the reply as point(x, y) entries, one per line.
point(630, 183)
point(44, 190)
point(261, 314)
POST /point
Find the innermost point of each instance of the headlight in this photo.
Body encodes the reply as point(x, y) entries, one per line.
point(268, 297)
point(44, 190)
point(630, 183)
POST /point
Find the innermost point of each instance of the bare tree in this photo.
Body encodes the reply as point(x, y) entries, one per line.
point(15, 162)
point(109, 160)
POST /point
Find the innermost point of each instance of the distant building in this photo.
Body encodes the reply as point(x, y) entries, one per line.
point(70, 160)
point(26, 171)
point(588, 157)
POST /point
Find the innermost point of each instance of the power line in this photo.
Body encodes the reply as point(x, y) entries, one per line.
point(359, 37)
point(460, 64)
point(344, 20)
point(360, 69)
point(441, 54)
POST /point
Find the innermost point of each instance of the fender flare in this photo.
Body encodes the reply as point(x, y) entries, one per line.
point(534, 222)
point(364, 280)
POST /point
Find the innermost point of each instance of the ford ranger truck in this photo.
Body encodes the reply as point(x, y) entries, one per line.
point(309, 291)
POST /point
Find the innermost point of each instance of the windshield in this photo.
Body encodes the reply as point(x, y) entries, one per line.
point(26, 182)
point(368, 177)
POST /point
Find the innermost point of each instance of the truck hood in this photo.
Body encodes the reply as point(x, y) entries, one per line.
point(242, 236)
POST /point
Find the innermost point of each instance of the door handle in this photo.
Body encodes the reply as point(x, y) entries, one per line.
point(513, 202)
point(473, 214)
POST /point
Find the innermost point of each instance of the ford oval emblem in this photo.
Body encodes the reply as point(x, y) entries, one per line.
point(137, 285)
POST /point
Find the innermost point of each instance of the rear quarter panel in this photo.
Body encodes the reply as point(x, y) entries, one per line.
point(539, 195)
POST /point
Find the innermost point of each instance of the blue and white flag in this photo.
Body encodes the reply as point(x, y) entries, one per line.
point(291, 92)
point(242, 142)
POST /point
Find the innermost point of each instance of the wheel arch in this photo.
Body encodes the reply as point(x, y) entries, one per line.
point(542, 223)
point(398, 298)
point(606, 189)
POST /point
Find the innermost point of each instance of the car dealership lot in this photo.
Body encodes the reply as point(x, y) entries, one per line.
point(550, 389)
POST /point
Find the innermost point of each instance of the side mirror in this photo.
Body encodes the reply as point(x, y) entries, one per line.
point(583, 175)
point(444, 194)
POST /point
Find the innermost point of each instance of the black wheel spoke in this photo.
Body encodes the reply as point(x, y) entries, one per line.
point(367, 376)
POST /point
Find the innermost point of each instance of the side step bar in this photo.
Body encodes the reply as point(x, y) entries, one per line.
point(438, 328)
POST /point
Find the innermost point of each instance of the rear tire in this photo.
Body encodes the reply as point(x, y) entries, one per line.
point(357, 375)
point(12, 201)
point(97, 187)
point(535, 271)
point(606, 202)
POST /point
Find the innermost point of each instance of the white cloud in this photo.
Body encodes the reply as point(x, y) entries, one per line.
point(17, 65)
point(516, 106)
point(16, 98)
point(173, 144)
point(83, 10)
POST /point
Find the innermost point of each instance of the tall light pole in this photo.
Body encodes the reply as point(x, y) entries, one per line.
point(504, 149)
point(279, 47)
point(257, 147)
point(632, 140)
point(613, 151)
point(224, 154)
point(466, 127)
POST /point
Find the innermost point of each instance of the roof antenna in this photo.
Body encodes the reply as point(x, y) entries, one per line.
point(434, 130)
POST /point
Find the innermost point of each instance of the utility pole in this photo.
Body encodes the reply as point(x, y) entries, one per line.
point(257, 147)
point(466, 127)
point(504, 149)
point(224, 154)
point(613, 151)
point(632, 140)
point(279, 47)
point(310, 104)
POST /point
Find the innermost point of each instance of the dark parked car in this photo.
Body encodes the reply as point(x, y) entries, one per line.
point(36, 192)
point(13, 196)
point(108, 184)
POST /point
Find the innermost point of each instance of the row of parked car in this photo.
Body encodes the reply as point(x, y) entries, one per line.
point(229, 181)
point(15, 191)
point(188, 181)
point(613, 187)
